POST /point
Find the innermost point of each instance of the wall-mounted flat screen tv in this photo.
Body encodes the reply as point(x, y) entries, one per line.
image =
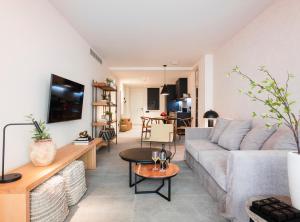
point(66, 99)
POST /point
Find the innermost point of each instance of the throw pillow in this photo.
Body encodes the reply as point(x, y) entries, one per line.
point(282, 139)
point(234, 133)
point(221, 124)
point(255, 138)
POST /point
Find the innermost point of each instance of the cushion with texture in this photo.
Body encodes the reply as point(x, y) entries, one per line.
point(221, 124)
point(194, 146)
point(256, 137)
point(215, 163)
point(282, 139)
point(234, 133)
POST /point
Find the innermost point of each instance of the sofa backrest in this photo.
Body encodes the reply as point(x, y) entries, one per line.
point(282, 139)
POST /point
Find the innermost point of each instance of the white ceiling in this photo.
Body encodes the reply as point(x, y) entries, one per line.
point(156, 32)
point(149, 78)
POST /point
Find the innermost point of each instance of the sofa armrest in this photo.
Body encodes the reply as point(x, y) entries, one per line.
point(254, 173)
point(197, 133)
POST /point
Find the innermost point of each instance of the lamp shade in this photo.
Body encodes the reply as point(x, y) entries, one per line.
point(210, 114)
point(164, 90)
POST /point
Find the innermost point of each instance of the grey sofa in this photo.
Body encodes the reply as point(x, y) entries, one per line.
point(231, 177)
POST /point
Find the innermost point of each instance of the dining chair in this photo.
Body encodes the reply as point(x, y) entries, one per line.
point(146, 128)
point(185, 123)
point(164, 134)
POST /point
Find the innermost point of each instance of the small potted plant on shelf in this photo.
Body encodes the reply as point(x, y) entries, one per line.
point(43, 149)
point(110, 82)
point(109, 115)
point(276, 97)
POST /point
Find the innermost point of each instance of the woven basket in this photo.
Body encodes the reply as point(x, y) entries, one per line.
point(48, 201)
point(74, 181)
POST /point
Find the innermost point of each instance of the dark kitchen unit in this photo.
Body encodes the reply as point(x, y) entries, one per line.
point(181, 87)
point(178, 105)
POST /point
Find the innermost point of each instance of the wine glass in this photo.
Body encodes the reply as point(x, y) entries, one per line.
point(162, 158)
point(155, 157)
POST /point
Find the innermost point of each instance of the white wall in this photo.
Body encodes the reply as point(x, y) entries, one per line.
point(192, 92)
point(205, 92)
point(272, 39)
point(36, 41)
point(138, 104)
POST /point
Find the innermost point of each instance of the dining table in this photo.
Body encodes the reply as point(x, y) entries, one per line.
point(163, 119)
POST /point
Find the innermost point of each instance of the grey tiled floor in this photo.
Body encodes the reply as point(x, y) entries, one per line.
point(109, 199)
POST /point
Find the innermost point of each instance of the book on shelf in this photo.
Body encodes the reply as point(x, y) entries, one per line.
point(82, 141)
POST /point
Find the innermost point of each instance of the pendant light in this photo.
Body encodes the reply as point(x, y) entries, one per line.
point(164, 90)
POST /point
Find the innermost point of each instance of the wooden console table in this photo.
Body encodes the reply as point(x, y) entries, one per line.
point(15, 197)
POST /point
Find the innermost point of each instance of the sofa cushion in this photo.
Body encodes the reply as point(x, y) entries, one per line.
point(255, 138)
point(194, 146)
point(221, 124)
point(282, 139)
point(234, 133)
point(215, 163)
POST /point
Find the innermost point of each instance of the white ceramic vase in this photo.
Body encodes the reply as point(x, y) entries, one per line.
point(294, 178)
point(42, 152)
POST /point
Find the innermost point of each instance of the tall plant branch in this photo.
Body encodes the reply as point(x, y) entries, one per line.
point(277, 100)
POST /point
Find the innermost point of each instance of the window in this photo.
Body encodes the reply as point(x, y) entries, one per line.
point(153, 98)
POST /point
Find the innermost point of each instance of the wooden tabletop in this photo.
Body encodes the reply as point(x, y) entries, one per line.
point(146, 171)
point(253, 215)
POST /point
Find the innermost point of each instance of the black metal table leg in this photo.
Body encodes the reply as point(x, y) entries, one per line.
point(169, 189)
point(130, 176)
point(135, 184)
point(168, 198)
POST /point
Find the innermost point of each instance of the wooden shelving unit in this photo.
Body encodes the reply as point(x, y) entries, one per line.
point(104, 100)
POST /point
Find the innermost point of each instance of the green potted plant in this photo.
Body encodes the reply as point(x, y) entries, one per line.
point(109, 115)
point(276, 97)
point(110, 82)
point(43, 149)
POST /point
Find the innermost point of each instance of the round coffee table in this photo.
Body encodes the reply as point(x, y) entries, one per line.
point(146, 171)
point(139, 155)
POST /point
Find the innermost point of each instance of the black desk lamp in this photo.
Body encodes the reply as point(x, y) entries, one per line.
point(210, 115)
point(8, 178)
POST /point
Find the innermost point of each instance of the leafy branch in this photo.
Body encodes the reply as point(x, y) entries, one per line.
point(275, 97)
point(44, 134)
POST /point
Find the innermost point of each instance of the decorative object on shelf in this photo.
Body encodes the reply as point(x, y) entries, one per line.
point(210, 115)
point(43, 149)
point(8, 178)
point(83, 134)
point(110, 82)
point(108, 115)
point(48, 201)
point(107, 134)
point(276, 98)
point(164, 90)
point(83, 139)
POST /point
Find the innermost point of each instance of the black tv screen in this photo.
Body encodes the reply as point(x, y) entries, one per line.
point(66, 98)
